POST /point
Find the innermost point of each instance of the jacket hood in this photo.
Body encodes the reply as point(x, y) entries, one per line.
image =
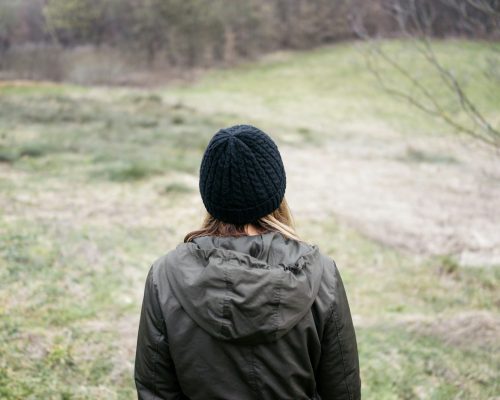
point(246, 289)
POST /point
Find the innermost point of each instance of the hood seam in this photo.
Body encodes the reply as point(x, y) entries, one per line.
point(277, 294)
point(224, 327)
point(231, 254)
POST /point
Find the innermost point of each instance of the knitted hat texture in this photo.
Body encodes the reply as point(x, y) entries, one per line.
point(242, 177)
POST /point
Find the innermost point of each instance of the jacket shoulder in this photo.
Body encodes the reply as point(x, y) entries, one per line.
point(157, 273)
point(331, 272)
point(329, 291)
point(167, 260)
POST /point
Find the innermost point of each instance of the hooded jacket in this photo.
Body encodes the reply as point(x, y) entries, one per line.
point(246, 318)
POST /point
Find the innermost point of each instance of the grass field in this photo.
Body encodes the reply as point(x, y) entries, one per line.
point(96, 183)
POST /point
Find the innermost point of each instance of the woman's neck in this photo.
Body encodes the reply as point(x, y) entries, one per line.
point(251, 230)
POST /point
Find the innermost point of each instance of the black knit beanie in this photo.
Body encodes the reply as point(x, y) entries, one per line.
point(242, 177)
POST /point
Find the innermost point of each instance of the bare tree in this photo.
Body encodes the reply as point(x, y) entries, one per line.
point(417, 22)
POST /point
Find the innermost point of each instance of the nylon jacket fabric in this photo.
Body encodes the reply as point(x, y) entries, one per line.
point(250, 317)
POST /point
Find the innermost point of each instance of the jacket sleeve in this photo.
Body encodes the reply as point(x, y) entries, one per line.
point(154, 372)
point(338, 373)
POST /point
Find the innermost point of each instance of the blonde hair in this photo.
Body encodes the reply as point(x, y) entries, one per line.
point(280, 220)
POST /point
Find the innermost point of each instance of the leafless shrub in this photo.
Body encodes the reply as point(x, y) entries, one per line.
point(416, 21)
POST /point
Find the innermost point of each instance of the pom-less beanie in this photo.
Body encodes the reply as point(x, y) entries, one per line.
point(242, 177)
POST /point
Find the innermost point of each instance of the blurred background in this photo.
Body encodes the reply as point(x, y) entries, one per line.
point(387, 115)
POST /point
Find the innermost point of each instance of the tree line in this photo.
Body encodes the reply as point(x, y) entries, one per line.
point(192, 33)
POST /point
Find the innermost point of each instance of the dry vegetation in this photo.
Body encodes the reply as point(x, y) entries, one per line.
point(149, 41)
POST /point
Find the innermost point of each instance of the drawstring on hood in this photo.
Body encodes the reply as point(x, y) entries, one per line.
point(247, 289)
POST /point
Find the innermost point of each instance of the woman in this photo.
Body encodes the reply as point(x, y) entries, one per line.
point(243, 308)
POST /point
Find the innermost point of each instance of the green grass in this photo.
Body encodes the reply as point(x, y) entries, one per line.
point(177, 187)
point(329, 92)
point(91, 195)
point(419, 156)
point(104, 135)
point(402, 365)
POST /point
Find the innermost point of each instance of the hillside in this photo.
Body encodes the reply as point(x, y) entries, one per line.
point(96, 183)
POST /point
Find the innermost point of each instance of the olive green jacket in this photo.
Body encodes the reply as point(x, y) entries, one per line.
point(250, 317)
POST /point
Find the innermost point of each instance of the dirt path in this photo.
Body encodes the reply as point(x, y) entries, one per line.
point(407, 198)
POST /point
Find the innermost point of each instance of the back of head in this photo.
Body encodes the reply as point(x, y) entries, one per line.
point(243, 181)
point(242, 176)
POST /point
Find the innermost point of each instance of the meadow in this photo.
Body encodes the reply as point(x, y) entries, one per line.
point(98, 182)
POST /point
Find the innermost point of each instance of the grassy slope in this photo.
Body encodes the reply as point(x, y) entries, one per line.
point(92, 193)
point(331, 93)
